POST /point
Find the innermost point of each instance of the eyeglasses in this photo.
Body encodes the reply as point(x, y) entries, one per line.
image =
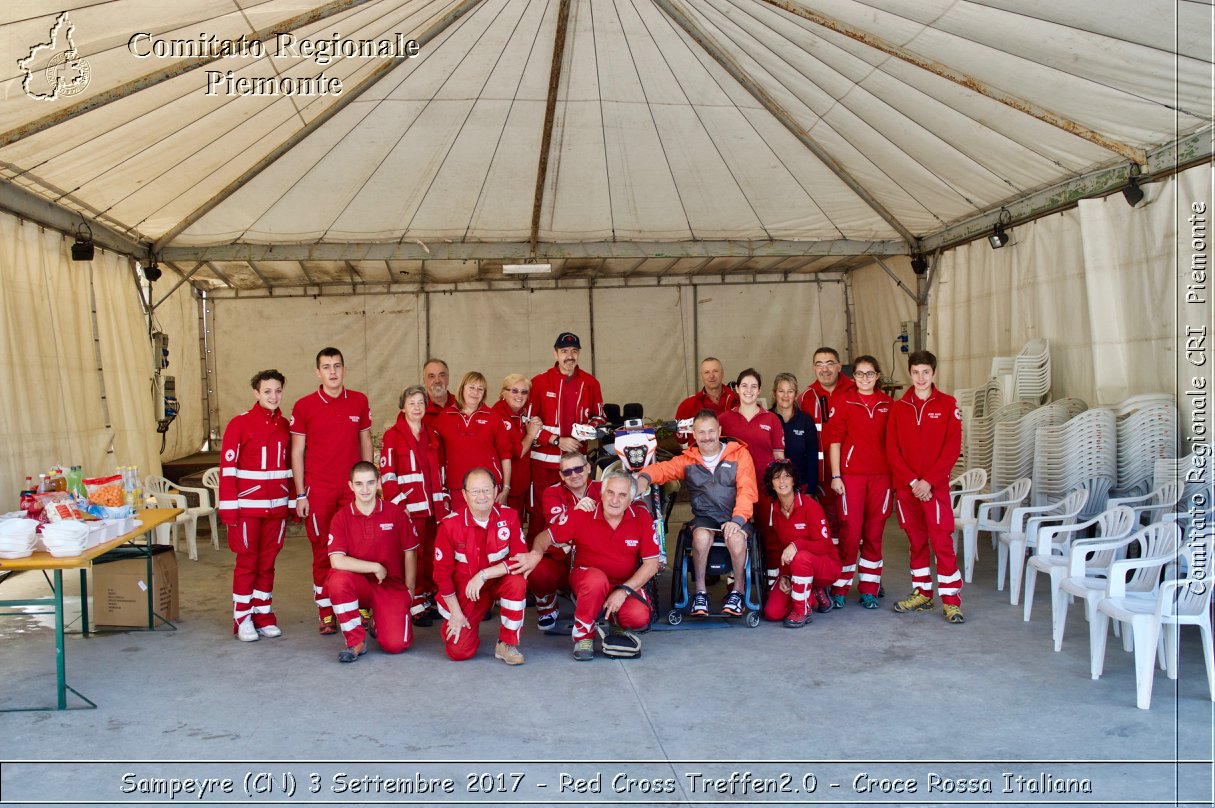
point(826, 364)
point(517, 391)
point(479, 492)
point(865, 374)
point(572, 470)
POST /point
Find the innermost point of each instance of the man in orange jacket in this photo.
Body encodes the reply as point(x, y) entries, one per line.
point(721, 479)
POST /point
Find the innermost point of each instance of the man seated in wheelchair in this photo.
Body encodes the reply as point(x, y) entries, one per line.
point(720, 477)
point(614, 557)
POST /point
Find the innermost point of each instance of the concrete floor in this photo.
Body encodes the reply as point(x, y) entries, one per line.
point(703, 716)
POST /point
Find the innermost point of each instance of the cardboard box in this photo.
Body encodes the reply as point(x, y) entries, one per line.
point(120, 589)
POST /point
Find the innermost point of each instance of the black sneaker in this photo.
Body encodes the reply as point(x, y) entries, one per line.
point(352, 653)
point(619, 642)
point(700, 605)
point(733, 605)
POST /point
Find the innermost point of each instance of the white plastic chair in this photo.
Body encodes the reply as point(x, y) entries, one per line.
point(994, 513)
point(210, 481)
point(1188, 603)
point(1024, 525)
point(168, 495)
point(1054, 553)
point(1140, 607)
point(1154, 505)
point(971, 481)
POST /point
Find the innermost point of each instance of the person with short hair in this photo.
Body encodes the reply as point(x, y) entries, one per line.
point(801, 436)
point(808, 561)
point(474, 551)
point(764, 436)
point(714, 395)
point(522, 429)
point(255, 495)
point(615, 554)
point(411, 476)
point(473, 437)
point(562, 396)
point(435, 378)
point(576, 491)
point(923, 441)
point(373, 558)
point(860, 477)
point(720, 477)
point(815, 401)
point(330, 432)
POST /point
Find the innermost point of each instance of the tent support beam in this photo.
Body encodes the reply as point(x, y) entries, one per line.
point(180, 281)
point(172, 71)
point(1131, 153)
point(896, 279)
point(467, 251)
point(25, 205)
point(386, 67)
point(220, 274)
point(782, 115)
point(550, 114)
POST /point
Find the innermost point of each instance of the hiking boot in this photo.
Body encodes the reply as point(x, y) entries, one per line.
point(270, 631)
point(368, 621)
point(835, 602)
point(869, 602)
point(799, 617)
point(915, 602)
point(953, 614)
point(584, 650)
point(733, 604)
point(508, 654)
point(700, 605)
point(352, 653)
point(246, 632)
point(328, 625)
point(618, 642)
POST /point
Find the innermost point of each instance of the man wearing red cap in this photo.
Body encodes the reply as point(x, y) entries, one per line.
point(562, 396)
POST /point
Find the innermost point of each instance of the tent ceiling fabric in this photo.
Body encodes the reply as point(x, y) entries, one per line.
point(735, 135)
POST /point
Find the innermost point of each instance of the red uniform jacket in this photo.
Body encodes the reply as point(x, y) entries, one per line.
point(701, 401)
point(816, 402)
point(516, 426)
point(923, 438)
point(806, 526)
point(255, 466)
point(412, 479)
point(471, 441)
point(545, 401)
point(858, 424)
point(463, 548)
point(559, 501)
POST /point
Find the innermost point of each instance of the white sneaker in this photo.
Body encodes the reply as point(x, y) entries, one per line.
point(270, 631)
point(246, 632)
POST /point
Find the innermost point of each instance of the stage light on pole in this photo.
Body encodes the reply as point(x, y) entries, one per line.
point(999, 236)
point(82, 249)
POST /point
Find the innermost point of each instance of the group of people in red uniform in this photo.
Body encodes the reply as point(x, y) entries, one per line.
point(436, 529)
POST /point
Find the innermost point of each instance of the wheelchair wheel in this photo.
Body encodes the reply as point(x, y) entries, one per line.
point(674, 617)
point(752, 619)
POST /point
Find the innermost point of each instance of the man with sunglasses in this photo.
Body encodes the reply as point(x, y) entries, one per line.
point(576, 491)
point(815, 401)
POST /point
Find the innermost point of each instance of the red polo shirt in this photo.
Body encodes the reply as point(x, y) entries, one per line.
point(764, 435)
point(331, 427)
point(618, 551)
point(381, 536)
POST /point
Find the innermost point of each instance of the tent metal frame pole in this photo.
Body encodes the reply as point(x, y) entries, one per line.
point(1043, 114)
point(303, 132)
point(183, 279)
point(897, 279)
point(26, 205)
point(550, 114)
point(209, 400)
point(710, 46)
point(849, 319)
point(172, 71)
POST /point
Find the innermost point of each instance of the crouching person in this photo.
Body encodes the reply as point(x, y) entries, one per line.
point(615, 555)
point(373, 560)
point(809, 561)
point(473, 552)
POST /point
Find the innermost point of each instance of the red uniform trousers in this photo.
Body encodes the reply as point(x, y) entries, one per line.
point(930, 524)
point(832, 510)
point(866, 506)
point(388, 599)
point(256, 540)
point(591, 588)
point(510, 591)
point(542, 477)
point(805, 568)
point(424, 587)
point(551, 575)
point(772, 544)
point(323, 503)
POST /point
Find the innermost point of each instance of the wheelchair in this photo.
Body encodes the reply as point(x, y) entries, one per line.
point(680, 564)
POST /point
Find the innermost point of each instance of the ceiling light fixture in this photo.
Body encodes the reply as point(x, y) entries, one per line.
point(526, 269)
point(83, 249)
point(1131, 192)
point(151, 270)
point(999, 236)
point(919, 264)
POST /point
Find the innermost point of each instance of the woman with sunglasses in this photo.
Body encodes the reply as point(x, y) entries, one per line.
point(856, 439)
point(511, 407)
point(807, 559)
point(473, 437)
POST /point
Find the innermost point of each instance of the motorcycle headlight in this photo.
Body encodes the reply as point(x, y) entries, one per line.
point(635, 456)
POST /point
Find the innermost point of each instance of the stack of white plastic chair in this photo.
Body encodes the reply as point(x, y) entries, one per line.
point(1031, 373)
point(1147, 432)
point(971, 481)
point(980, 440)
point(1081, 453)
point(1013, 446)
point(1002, 369)
point(966, 398)
point(1195, 510)
point(993, 397)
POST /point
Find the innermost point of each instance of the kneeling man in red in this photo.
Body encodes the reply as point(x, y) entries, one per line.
point(373, 560)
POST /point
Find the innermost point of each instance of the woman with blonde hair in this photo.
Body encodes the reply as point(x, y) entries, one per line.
point(511, 407)
point(473, 436)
